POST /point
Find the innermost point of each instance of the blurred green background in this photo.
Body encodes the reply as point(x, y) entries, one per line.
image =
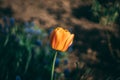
point(25, 51)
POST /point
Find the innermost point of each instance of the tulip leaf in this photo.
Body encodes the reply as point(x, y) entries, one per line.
point(6, 41)
point(28, 60)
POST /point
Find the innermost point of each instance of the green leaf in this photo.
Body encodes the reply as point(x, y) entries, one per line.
point(6, 41)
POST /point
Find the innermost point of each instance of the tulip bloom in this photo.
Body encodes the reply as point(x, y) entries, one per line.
point(61, 39)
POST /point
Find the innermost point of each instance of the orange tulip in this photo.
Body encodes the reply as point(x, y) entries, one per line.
point(61, 39)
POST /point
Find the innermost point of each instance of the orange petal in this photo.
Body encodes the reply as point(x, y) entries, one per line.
point(64, 36)
point(58, 38)
point(68, 42)
point(53, 37)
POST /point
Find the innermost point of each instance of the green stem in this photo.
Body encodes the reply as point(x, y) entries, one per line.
point(53, 66)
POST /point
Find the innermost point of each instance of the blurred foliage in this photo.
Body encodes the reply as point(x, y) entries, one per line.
point(106, 11)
